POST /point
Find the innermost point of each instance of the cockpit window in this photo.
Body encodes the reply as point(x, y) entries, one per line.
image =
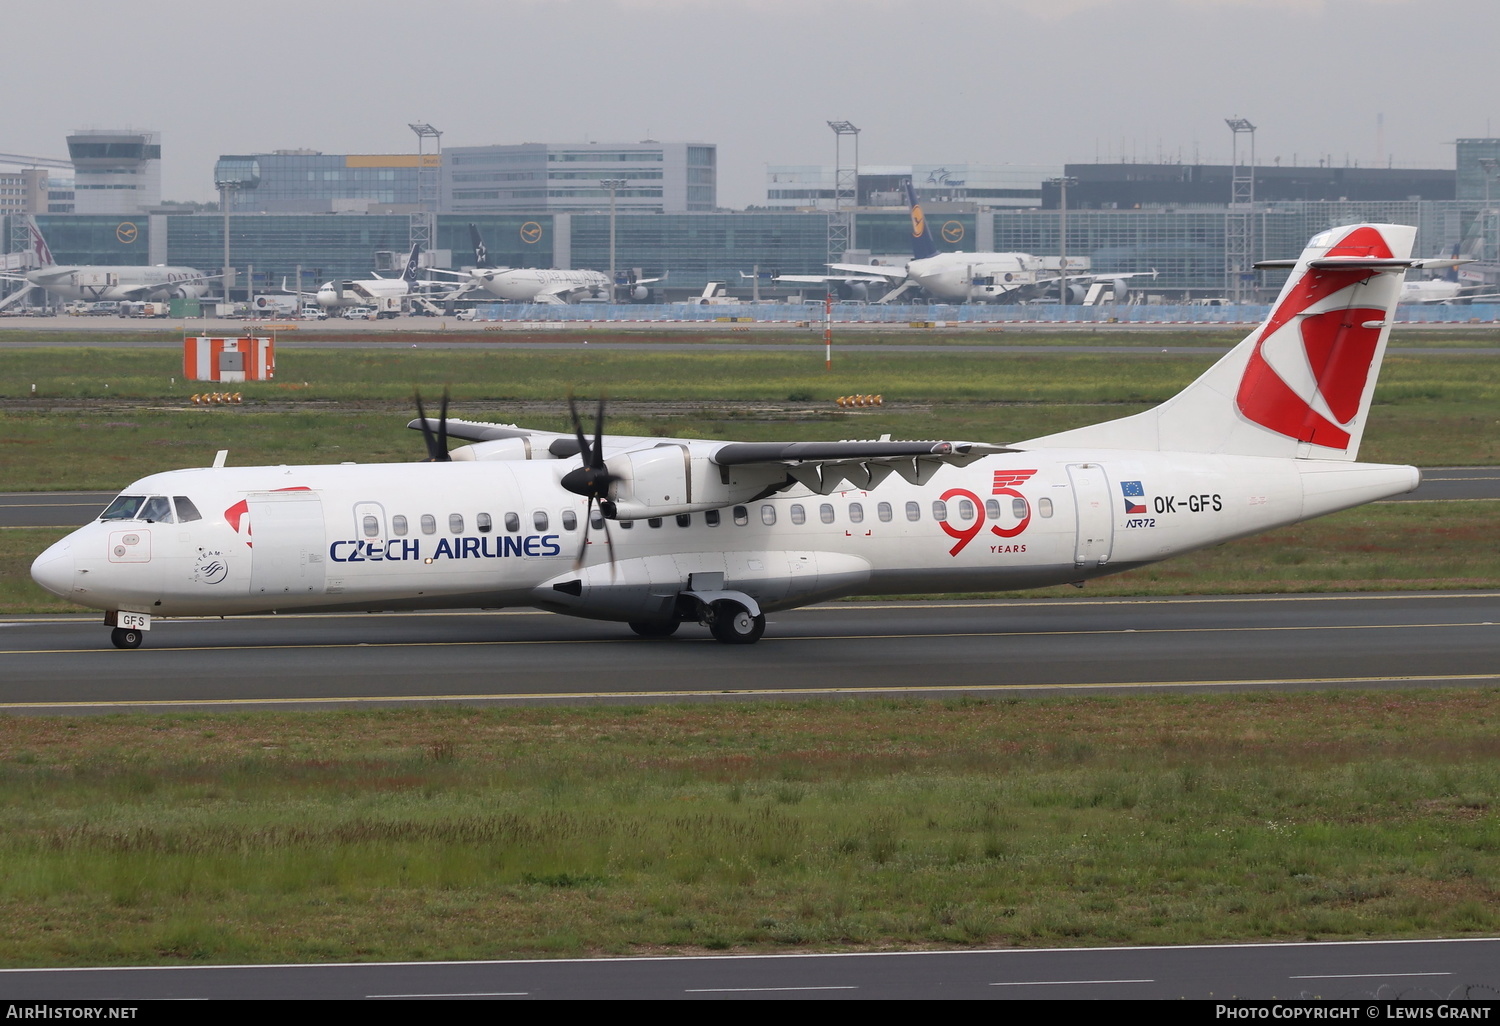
point(157, 509)
point(186, 511)
point(123, 508)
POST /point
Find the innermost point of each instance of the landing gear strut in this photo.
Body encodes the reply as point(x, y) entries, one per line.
point(126, 637)
point(733, 624)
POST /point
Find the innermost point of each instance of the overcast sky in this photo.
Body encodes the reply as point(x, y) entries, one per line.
point(943, 81)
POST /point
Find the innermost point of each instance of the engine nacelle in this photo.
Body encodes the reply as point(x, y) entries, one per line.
point(640, 293)
point(501, 449)
point(677, 478)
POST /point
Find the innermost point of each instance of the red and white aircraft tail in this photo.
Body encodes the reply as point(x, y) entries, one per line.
point(1299, 386)
point(39, 245)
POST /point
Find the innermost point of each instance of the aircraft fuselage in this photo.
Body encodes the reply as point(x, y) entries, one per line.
point(118, 283)
point(504, 533)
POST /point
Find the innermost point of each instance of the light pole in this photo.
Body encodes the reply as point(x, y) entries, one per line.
point(1062, 233)
point(612, 184)
point(233, 174)
point(1488, 165)
point(426, 189)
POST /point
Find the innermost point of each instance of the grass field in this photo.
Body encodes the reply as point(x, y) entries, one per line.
point(126, 417)
point(460, 833)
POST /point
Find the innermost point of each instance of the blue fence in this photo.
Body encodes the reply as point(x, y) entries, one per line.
point(850, 313)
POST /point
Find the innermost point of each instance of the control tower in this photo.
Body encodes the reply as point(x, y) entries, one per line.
point(115, 172)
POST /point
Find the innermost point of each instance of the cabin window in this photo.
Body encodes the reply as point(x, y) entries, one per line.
point(455, 523)
point(939, 510)
point(429, 524)
point(157, 509)
point(741, 516)
point(398, 525)
point(856, 513)
point(539, 520)
point(1044, 507)
point(512, 522)
point(626, 525)
point(768, 514)
point(965, 509)
point(913, 511)
point(1018, 508)
point(123, 508)
point(596, 520)
point(825, 513)
point(371, 526)
point(711, 518)
point(798, 514)
point(484, 522)
point(569, 520)
point(883, 511)
point(992, 508)
point(684, 520)
point(186, 511)
point(653, 522)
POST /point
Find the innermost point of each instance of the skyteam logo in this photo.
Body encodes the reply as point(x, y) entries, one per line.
point(1135, 497)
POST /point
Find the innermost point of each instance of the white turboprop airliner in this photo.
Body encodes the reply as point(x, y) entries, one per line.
point(963, 277)
point(95, 283)
point(556, 286)
point(721, 533)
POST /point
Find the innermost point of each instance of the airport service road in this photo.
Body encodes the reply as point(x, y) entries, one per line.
point(1365, 975)
point(991, 648)
point(74, 509)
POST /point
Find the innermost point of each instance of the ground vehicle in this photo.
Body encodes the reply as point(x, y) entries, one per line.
point(360, 313)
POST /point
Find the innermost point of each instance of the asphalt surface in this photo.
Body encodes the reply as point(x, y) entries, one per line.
point(1368, 977)
point(67, 665)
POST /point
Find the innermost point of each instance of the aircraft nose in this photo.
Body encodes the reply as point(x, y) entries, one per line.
point(53, 569)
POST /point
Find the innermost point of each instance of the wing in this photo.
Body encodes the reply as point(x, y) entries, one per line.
point(143, 291)
point(665, 476)
point(1092, 275)
point(826, 279)
point(882, 271)
point(560, 292)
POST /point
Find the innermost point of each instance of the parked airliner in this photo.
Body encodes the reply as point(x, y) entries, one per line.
point(963, 277)
point(95, 283)
point(551, 285)
point(656, 532)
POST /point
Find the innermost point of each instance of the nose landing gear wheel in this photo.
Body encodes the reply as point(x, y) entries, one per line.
point(124, 637)
point(733, 624)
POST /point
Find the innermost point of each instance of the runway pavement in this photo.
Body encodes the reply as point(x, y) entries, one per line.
point(66, 664)
point(73, 509)
point(1355, 979)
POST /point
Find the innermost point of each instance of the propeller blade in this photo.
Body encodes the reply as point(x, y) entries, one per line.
point(591, 478)
point(437, 444)
point(583, 443)
point(588, 523)
point(597, 460)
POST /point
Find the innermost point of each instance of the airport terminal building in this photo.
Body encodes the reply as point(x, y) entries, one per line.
point(1122, 217)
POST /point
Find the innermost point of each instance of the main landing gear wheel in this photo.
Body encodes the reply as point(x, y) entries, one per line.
point(124, 637)
point(733, 625)
point(655, 628)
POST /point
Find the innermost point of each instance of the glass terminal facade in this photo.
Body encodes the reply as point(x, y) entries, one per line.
point(309, 182)
point(654, 177)
point(1186, 247)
